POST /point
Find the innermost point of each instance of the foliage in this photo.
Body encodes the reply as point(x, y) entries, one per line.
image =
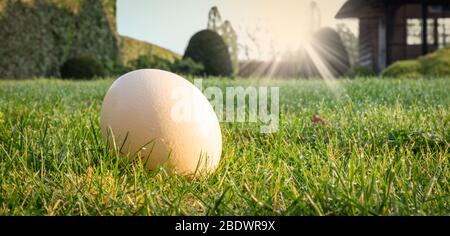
point(131, 49)
point(181, 66)
point(214, 20)
point(432, 65)
point(81, 67)
point(227, 32)
point(37, 36)
point(404, 69)
point(150, 62)
point(383, 151)
point(416, 140)
point(187, 67)
point(358, 71)
point(1, 118)
point(230, 37)
point(436, 64)
point(208, 48)
point(350, 41)
point(114, 67)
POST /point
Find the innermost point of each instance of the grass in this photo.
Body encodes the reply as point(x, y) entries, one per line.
point(383, 151)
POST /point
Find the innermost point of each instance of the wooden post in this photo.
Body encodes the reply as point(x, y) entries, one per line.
point(436, 33)
point(382, 47)
point(424, 28)
point(387, 32)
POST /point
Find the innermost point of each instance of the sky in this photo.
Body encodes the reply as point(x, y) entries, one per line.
point(277, 25)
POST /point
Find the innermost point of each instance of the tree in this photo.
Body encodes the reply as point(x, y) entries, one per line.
point(227, 32)
point(230, 38)
point(315, 17)
point(350, 41)
point(214, 20)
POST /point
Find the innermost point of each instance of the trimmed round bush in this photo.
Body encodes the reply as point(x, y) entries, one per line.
point(209, 49)
point(81, 67)
point(404, 69)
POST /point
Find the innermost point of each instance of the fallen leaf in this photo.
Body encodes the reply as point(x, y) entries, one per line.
point(318, 120)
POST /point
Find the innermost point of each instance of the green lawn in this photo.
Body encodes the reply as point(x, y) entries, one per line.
point(384, 151)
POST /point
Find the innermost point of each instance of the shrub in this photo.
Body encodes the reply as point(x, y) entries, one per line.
point(187, 66)
point(81, 67)
point(404, 69)
point(142, 62)
point(360, 71)
point(161, 63)
point(120, 69)
point(182, 66)
point(114, 67)
point(208, 48)
point(131, 49)
point(151, 62)
point(436, 64)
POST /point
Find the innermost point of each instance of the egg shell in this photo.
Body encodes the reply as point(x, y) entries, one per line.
point(164, 119)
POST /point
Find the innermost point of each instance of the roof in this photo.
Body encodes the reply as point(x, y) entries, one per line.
point(359, 8)
point(374, 8)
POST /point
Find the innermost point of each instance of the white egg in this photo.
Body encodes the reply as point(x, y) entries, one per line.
point(164, 119)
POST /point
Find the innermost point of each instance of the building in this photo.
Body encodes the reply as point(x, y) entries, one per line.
point(392, 30)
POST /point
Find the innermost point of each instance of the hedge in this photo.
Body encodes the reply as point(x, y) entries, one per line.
point(37, 36)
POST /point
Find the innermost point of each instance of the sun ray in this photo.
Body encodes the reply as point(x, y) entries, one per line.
point(324, 71)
